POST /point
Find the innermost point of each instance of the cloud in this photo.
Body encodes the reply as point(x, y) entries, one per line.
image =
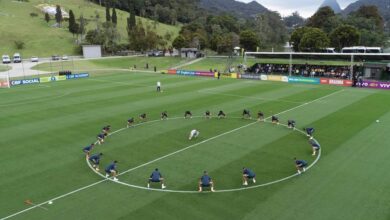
point(306, 8)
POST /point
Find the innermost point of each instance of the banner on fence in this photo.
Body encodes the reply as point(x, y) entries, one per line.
point(249, 76)
point(172, 71)
point(293, 79)
point(77, 76)
point(52, 79)
point(25, 81)
point(374, 85)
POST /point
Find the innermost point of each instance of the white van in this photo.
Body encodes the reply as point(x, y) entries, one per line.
point(6, 59)
point(17, 58)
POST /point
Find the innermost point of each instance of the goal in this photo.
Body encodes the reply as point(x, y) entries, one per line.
point(4, 81)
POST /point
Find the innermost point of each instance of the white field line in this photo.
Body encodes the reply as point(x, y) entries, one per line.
point(93, 184)
point(249, 97)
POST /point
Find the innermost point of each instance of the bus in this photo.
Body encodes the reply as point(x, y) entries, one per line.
point(361, 49)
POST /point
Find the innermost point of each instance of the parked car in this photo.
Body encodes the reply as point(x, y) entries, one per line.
point(6, 59)
point(17, 58)
point(55, 57)
point(64, 57)
point(34, 59)
point(155, 53)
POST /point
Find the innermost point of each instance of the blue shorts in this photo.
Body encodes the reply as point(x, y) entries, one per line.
point(316, 147)
point(95, 162)
point(155, 180)
point(205, 184)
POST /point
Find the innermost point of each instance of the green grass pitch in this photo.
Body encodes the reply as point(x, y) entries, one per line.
point(44, 128)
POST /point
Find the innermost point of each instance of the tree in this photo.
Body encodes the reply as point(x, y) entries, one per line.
point(72, 23)
point(47, 17)
point(114, 17)
point(314, 40)
point(324, 18)
point(179, 42)
point(81, 27)
point(344, 36)
point(58, 15)
point(371, 12)
point(249, 40)
point(294, 20)
point(108, 16)
point(296, 37)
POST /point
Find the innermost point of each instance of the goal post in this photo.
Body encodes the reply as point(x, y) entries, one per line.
point(4, 81)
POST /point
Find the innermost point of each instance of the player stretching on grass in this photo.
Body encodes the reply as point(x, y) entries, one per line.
point(291, 124)
point(221, 114)
point(300, 165)
point(260, 116)
point(193, 134)
point(164, 115)
point(207, 114)
point(274, 119)
point(100, 138)
point(106, 129)
point(156, 177)
point(142, 117)
point(130, 122)
point(187, 114)
point(309, 132)
point(88, 149)
point(247, 174)
point(95, 160)
point(315, 145)
point(246, 114)
point(111, 170)
point(206, 181)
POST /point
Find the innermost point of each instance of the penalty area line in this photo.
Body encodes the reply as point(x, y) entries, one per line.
point(104, 180)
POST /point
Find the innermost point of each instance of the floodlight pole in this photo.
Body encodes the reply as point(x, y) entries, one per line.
point(290, 65)
point(8, 78)
point(351, 69)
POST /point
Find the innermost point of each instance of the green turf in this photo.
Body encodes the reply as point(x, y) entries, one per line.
point(41, 39)
point(44, 128)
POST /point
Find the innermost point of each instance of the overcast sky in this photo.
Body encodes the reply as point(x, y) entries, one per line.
point(306, 8)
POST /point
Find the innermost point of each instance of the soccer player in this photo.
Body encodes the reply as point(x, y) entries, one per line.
point(275, 119)
point(95, 159)
point(309, 132)
point(100, 138)
point(193, 134)
point(260, 116)
point(187, 114)
point(106, 129)
point(156, 177)
point(207, 114)
point(246, 114)
point(142, 117)
point(291, 124)
point(130, 122)
point(158, 86)
point(88, 149)
point(247, 174)
point(164, 115)
point(300, 165)
point(221, 114)
point(206, 181)
point(111, 170)
point(315, 145)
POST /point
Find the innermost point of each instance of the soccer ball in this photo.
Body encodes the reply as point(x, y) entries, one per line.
point(50, 202)
point(377, 121)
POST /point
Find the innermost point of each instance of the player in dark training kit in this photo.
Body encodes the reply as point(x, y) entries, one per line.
point(142, 117)
point(106, 129)
point(207, 114)
point(291, 124)
point(309, 132)
point(247, 174)
point(130, 122)
point(88, 149)
point(164, 115)
point(156, 177)
point(300, 165)
point(100, 138)
point(260, 116)
point(206, 181)
point(187, 114)
point(95, 160)
point(315, 145)
point(221, 114)
point(246, 114)
point(111, 170)
point(275, 119)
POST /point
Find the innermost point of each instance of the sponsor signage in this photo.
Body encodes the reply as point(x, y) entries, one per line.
point(293, 79)
point(275, 78)
point(172, 71)
point(374, 85)
point(263, 77)
point(24, 81)
point(249, 76)
point(337, 82)
point(3, 84)
point(185, 72)
point(52, 79)
point(207, 74)
point(77, 76)
point(284, 78)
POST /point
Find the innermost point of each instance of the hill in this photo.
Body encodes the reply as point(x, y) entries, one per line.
point(239, 9)
point(333, 4)
point(41, 39)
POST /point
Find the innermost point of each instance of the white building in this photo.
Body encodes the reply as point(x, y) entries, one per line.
point(92, 51)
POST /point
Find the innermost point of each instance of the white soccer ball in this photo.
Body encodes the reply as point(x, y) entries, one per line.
point(50, 202)
point(377, 121)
